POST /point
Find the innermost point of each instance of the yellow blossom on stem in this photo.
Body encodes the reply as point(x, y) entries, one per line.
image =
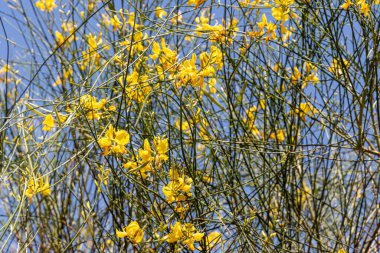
point(218, 33)
point(146, 153)
point(92, 106)
point(137, 87)
point(364, 8)
point(212, 239)
point(187, 234)
point(196, 2)
point(114, 141)
point(311, 74)
point(59, 37)
point(146, 156)
point(296, 76)
point(46, 5)
point(271, 31)
point(48, 123)
point(6, 68)
point(278, 135)
point(188, 73)
point(179, 188)
point(305, 109)
point(161, 146)
point(133, 232)
point(280, 14)
point(156, 50)
point(58, 81)
point(45, 186)
point(337, 66)
point(263, 22)
point(177, 18)
point(346, 4)
point(175, 234)
point(115, 22)
point(160, 12)
point(38, 185)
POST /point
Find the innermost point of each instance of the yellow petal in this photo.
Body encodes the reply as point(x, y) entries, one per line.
point(121, 234)
point(122, 137)
point(198, 236)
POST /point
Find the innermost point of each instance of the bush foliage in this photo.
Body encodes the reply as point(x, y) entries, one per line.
point(189, 126)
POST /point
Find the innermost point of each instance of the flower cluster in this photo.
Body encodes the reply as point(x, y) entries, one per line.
point(147, 157)
point(38, 185)
point(179, 187)
point(46, 5)
point(186, 234)
point(133, 232)
point(114, 141)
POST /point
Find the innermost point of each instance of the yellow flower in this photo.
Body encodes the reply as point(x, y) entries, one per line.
point(156, 50)
point(59, 37)
point(160, 12)
point(278, 135)
point(212, 239)
point(280, 13)
point(305, 109)
point(46, 5)
point(271, 31)
point(92, 106)
point(161, 146)
point(337, 65)
point(168, 57)
point(146, 156)
point(175, 234)
point(216, 57)
point(115, 22)
point(296, 76)
point(45, 186)
point(48, 123)
point(138, 87)
point(191, 235)
point(146, 153)
point(187, 234)
point(92, 41)
point(62, 118)
point(211, 85)
point(196, 2)
point(216, 33)
point(263, 22)
point(281, 10)
point(311, 74)
point(341, 250)
point(284, 2)
point(188, 73)
point(185, 125)
point(36, 185)
point(6, 68)
point(346, 4)
point(208, 62)
point(114, 141)
point(122, 137)
point(245, 3)
point(133, 232)
point(32, 188)
point(364, 7)
point(262, 103)
point(179, 188)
